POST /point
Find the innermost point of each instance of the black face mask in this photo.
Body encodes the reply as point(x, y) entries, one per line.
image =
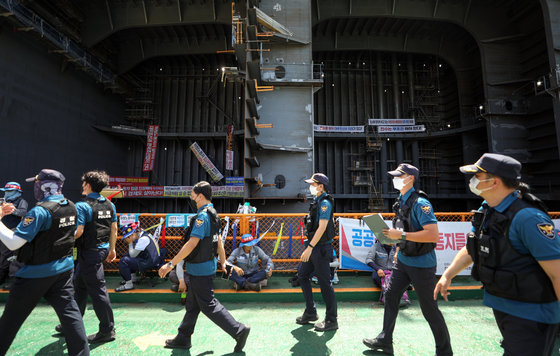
point(192, 204)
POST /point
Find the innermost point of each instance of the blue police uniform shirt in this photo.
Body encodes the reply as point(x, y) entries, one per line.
point(85, 214)
point(201, 229)
point(526, 237)
point(324, 212)
point(422, 214)
point(39, 219)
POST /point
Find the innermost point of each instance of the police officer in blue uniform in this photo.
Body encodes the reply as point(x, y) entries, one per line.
point(516, 254)
point(316, 257)
point(203, 244)
point(415, 225)
point(95, 240)
point(45, 238)
point(12, 195)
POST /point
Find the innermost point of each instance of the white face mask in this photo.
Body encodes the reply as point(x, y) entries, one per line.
point(398, 183)
point(473, 183)
point(313, 190)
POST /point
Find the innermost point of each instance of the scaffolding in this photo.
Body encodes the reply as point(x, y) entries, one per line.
point(426, 105)
point(140, 105)
point(71, 50)
point(363, 176)
point(373, 140)
point(428, 162)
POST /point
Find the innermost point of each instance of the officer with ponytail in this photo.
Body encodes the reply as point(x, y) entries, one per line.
point(515, 252)
point(317, 256)
point(416, 232)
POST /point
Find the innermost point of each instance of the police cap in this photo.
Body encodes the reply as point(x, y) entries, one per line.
point(497, 164)
point(47, 174)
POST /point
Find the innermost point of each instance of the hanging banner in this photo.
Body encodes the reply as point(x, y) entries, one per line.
point(181, 191)
point(206, 163)
point(327, 128)
point(356, 239)
point(229, 149)
point(235, 186)
point(177, 220)
point(125, 219)
point(234, 181)
point(128, 181)
point(151, 191)
point(391, 129)
point(151, 146)
point(229, 160)
point(387, 122)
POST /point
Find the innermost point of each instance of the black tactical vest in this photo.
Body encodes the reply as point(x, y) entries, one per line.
point(55, 243)
point(503, 271)
point(207, 248)
point(98, 230)
point(403, 221)
point(312, 220)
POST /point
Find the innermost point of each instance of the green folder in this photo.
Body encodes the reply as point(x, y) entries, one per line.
point(376, 224)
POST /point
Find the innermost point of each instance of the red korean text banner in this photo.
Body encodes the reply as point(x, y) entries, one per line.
point(151, 145)
point(128, 181)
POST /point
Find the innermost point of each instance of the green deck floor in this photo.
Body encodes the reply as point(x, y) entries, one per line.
point(143, 327)
point(144, 319)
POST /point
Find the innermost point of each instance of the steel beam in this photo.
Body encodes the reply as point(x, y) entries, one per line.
point(135, 52)
point(104, 19)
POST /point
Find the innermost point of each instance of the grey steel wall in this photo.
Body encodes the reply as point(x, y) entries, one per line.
point(359, 86)
point(191, 104)
point(47, 113)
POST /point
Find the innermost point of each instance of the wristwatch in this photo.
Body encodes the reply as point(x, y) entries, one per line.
point(310, 245)
point(403, 236)
point(170, 264)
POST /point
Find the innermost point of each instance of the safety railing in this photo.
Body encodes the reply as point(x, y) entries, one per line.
point(272, 226)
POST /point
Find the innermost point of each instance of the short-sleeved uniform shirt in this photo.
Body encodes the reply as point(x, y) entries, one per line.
point(85, 214)
point(142, 242)
point(324, 212)
point(201, 229)
point(527, 237)
point(422, 214)
point(36, 220)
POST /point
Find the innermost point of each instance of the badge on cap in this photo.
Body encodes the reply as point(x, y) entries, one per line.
point(547, 230)
point(427, 209)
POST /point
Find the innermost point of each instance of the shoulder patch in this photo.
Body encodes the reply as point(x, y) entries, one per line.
point(426, 209)
point(199, 222)
point(324, 208)
point(547, 230)
point(27, 221)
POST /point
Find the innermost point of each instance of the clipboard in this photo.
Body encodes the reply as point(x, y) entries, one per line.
point(376, 224)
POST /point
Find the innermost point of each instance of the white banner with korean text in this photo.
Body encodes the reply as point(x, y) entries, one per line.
point(329, 128)
point(391, 129)
point(387, 122)
point(356, 239)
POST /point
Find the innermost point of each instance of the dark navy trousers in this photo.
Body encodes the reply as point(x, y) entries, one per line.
point(200, 298)
point(127, 266)
point(254, 277)
point(319, 266)
point(424, 282)
point(26, 293)
point(89, 279)
point(523, 337)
